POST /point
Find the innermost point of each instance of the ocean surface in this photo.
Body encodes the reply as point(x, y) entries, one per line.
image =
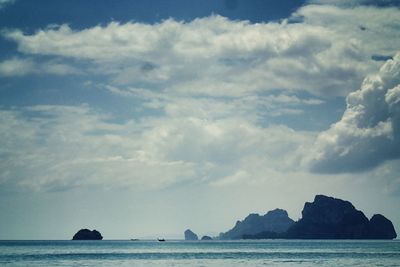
point(200, 253)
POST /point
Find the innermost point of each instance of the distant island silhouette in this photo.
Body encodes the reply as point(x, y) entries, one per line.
point(206, 238)
point(86, 234)
point(273, 223)
point(324, 218)
point(189, 235)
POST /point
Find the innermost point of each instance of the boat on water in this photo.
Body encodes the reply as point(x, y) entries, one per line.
point(134, 239)
point(161, 239)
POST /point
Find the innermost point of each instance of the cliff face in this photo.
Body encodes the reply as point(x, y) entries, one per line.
point(86, 234)
point(276, 221)
point(331, 218)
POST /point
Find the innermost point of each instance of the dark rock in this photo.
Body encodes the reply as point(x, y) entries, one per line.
point(331, 218)
point(381, 228)
point(275, 221)
point(264, 235)
point(325, 218)
point(206, 237)
point(86, 234)
point(189, 235)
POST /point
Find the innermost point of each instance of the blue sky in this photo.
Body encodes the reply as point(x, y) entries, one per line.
point(145, 118)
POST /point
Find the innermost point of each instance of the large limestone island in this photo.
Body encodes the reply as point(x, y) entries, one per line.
point(325, 218)
point(86, 234)
point(331, 218)
point(254, 226)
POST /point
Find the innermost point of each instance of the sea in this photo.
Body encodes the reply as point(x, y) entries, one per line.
point(201, 253)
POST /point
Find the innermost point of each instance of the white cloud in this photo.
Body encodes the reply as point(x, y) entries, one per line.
point(368, 30)
point(251, 108)
point(214, 80)
point(62, 147)
point(368, 134)
point(237, 177)
point(56, 68)
point(327, 53)
point(16, 67)
point(23, 66)
point(352, 3)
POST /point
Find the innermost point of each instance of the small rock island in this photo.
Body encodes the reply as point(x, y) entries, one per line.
point(86, 234)
point(190, 236)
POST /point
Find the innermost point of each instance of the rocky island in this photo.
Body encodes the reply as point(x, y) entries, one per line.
point(332, 218)
point(324, 218)
point(86, 234)
point(270, 225)
point(190, 236)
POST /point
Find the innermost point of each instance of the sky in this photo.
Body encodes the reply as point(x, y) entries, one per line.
point(144, 118)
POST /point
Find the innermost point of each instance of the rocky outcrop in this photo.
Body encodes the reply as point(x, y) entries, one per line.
point(324, 218)
point(332, 218)
point(381, 228)
point(189, 235)
point(276, 221)
point(206, 237)
point(264, 235)
point(86, 234)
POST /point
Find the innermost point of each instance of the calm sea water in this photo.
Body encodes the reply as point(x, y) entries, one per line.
point(201, 253)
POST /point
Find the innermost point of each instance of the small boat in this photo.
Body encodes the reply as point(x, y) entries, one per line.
point(161, 240)
point(134, 239)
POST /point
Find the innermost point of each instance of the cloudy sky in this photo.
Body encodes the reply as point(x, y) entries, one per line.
point(144, 118)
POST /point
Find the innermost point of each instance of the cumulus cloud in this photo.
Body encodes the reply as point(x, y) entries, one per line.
point(213, 80)
point(326, 52)
point(368, 134)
